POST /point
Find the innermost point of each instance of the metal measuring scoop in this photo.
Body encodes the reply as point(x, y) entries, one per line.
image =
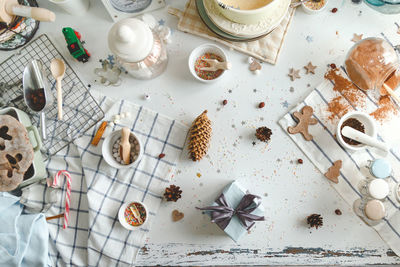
point(37, 93)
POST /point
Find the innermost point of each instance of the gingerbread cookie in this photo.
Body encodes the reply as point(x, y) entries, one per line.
point(16, 153)
point(334, 171)
point(304, 120)
point(177, 215)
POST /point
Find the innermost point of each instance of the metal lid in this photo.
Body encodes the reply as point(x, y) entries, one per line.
point(374, 210)
point(131, 40)
point(381, 168)
point(378, 189)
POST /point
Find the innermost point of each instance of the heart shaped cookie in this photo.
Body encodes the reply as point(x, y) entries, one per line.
point(177, 215)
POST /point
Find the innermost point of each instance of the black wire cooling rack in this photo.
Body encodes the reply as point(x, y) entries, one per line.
point(81, 111)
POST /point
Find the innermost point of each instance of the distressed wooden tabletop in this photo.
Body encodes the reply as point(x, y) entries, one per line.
point(290, 191)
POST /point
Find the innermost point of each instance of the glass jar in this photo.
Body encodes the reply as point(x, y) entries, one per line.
point(374, 188)
point(371, 211)
point(380, 168)
point(150, 67)
point(385, 6)
point(137, 48)
point(372, 61)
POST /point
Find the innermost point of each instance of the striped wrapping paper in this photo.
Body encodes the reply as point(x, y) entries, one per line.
point(324, 149)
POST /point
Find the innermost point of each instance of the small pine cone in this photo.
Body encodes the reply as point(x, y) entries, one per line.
point(315, 220)
point(263, 134)
point(172, 193)
point(200, 137)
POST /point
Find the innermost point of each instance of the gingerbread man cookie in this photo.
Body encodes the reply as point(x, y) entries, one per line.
point(304, 120)
point(334, 171)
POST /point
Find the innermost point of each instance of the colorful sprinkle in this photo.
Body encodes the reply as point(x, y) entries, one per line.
point(315, 5)
point(130, 219)
point(200, 63)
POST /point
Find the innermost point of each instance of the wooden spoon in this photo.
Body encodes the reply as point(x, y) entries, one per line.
point(391, 82)
point(388, 90)
point(57, 67)
point(11, 8)
point(125, 146)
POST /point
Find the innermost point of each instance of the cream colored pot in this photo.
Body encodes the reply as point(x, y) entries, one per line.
point(245, 11)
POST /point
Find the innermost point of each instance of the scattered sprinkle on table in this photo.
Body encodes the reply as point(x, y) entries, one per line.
point(200, 63)
point(261, 105)
point(130, 219)
point(338, 212)
point(224, 102)
point(334, 10)
point(161, 155)
point(300, 161)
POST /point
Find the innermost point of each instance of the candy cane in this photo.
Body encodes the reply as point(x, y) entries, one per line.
point(67, 175)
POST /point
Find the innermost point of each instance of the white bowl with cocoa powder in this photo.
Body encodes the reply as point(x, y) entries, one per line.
point(369, 129)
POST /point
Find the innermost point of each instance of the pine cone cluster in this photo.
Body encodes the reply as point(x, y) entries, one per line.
point(315, 220)
point(263, 134)
point(172, 193)
point(200, 137)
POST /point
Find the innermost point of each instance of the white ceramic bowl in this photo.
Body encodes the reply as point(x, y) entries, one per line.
point(365, 119)
point(107, 147)
point(249, 16)
point(122, 220)
point(201, 50)
point(310, 11)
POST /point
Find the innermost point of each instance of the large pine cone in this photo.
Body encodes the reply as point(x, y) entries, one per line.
point(200, 136)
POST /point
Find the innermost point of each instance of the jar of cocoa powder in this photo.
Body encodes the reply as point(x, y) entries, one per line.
point(372, 62)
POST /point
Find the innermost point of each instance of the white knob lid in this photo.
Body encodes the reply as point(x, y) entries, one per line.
point(130, 39)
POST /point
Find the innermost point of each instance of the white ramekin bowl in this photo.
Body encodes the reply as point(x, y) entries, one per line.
point(124, 223)
point(201, 50)
point(310, 11)
point(107, 148)
point(365, 119)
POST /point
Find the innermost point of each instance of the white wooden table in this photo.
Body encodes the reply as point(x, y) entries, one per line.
point(290, 191)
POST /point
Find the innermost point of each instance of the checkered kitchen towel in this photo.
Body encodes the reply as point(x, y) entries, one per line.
point(266, 49)
point(94, 236)
point(324, 149)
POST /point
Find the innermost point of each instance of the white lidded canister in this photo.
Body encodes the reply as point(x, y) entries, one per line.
point(137, 48)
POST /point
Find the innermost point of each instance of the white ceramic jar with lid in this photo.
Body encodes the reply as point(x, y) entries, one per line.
point(137, 48)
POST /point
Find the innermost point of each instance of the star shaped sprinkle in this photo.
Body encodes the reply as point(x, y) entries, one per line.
point(294, 74)
point(310, 68)
point(161, 22)
point(357, 37)
point(285, 104)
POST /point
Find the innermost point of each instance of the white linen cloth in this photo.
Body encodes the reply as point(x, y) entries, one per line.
point(324, 149)
point(94, 236)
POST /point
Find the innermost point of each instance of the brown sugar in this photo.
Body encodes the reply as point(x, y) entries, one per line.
point(337, 108)
point(386, 107)
point(345, 87)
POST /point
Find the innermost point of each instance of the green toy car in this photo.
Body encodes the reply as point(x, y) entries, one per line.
point(74, 45)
